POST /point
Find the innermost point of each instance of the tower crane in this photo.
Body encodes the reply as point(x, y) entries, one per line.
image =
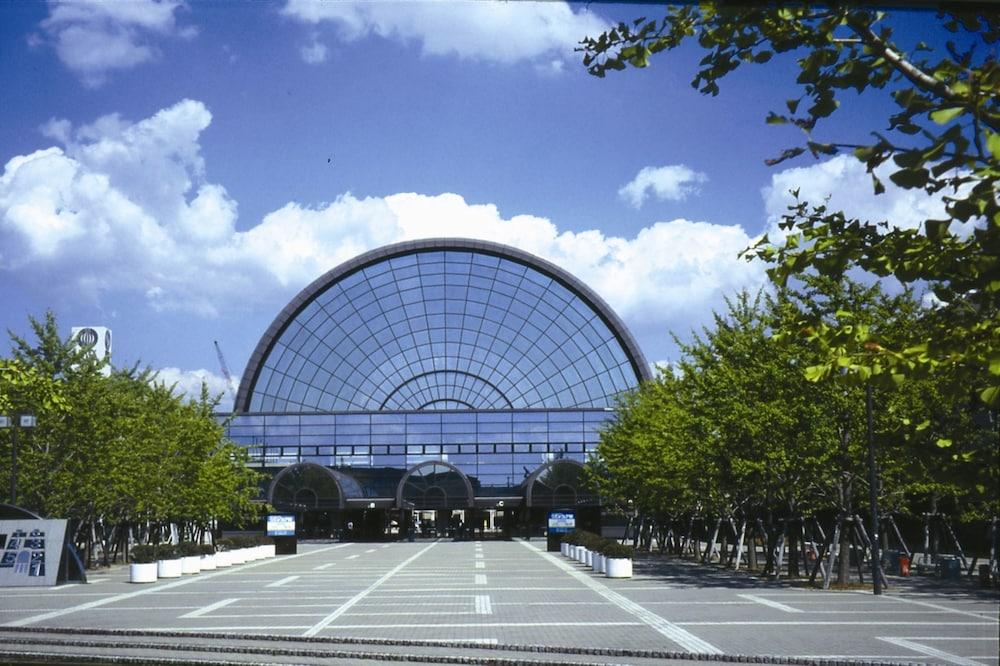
point(225, 371)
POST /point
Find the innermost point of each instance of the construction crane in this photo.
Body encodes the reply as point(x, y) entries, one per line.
point(225, 371)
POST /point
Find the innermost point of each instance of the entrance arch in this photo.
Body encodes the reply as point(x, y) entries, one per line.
point(559, 484)
point(433, 485)
point(307, 485)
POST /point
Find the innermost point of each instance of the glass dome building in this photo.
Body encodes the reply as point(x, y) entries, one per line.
point(433, 384)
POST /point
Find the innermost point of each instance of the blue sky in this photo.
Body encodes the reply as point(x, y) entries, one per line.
point(178, 172)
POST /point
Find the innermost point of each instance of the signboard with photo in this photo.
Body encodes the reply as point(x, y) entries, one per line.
point(561, 522)
point(280, 524)
point(30, 552)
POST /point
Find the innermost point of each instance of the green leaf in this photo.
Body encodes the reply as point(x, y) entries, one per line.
point(995, 363)
point(936, 229)
point(993, 144)
point(944, 116)
point(910, 178)
point(990, 395)
point(943, 443)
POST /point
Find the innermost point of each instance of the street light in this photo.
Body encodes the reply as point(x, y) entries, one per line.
point(15, 422)
point(873, 492)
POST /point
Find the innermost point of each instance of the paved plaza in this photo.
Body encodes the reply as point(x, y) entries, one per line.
point(488, 602)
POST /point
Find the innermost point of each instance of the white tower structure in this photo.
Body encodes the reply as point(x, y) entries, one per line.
point(98, 340)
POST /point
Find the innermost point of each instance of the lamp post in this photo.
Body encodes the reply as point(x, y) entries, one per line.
point(873, 493)
point(14, 423)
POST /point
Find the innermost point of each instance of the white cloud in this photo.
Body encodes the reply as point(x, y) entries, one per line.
point(95, 37)
point(189, 382)
point(674, 182)
point(87, 219)
point(843, 184)
point(504, 32)
point(314, 53)
point(122, 206)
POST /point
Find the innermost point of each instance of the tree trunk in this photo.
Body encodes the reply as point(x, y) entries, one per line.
point(793, 554)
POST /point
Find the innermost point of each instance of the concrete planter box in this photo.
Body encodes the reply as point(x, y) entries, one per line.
point(588, 558)
point(208, 563)
point(142, 573)
point(191, 564)
point(564, 549)
point(169, 568)
point(268, 550)
point(581, 554)
point(598, 563)
point(238, 556)
point(223, 559)
point(618, 567)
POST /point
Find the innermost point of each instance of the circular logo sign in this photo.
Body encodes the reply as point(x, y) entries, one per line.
point(87, 337)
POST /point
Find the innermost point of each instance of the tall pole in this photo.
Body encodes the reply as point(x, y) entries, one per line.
point(13, 463)
point(873, 494)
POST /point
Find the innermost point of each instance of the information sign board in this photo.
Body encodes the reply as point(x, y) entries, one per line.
point(280, 524)
point(30, 551)
point(561, 522)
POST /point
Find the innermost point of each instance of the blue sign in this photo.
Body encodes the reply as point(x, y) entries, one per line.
point(561, 522)
point(280, 524)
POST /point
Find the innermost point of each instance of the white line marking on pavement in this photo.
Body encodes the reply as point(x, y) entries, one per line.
point(820, 623)
point(480, 579)
point(371, 550)
point(479, 556)
point(941, 608)
point(244, 615)
point(768, 602)
point(684, 638)
point(480, 565)
point(69, 586)
point(324, 566)
point(460, 625)
point(155, 588)
point(326, 621)
point(483, 606)
point(928, 651)
point(950, 638)
point(873, 612)
point(209, 608)
point(117, 609)
point(472, 589)
point(283, 581)
point(240, 627)
point(386, 545)
point(351, 557)
point(693, 603)
point(420, 613)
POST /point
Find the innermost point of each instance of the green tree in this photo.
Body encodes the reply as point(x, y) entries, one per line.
point(121, 451)
point(944, 139)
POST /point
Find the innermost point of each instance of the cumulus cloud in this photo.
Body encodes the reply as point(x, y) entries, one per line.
point(503, 32)
point(84, 216)
point(674, 182)
point(843, 184)
point(96, 37)
point(121, 206)
point(189, 382)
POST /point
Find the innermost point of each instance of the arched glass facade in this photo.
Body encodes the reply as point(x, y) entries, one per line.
point(482, 358)
point(443, 329)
